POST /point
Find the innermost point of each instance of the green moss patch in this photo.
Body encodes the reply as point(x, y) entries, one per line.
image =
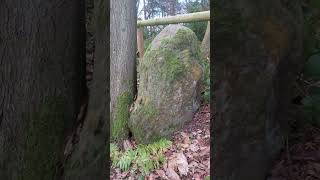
point(173, 67)
point(148, 110)
point(119, 124)
point(144, 111)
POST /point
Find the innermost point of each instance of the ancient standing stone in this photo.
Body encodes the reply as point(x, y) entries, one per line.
point(168, 93)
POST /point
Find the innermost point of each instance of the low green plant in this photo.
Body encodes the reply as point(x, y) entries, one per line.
point(144, 157)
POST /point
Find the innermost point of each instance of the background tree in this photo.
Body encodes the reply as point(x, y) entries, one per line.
point(197, 6)
point(42, 80)
point(122, 67)
point(160, 8)
point(257, 53)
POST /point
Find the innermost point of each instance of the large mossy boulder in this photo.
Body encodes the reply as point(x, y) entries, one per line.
point(169, 84)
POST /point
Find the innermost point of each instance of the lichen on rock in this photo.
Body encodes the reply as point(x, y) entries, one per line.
point(169, 84)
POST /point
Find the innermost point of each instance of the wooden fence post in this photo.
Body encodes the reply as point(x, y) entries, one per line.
point(140, 42)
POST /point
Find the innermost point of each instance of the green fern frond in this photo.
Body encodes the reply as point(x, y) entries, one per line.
point(145, 158)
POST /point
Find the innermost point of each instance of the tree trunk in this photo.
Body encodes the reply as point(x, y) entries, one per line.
point(257, 53)
point(88, 159)
point(123, 37)
point(172, 9)
point(144, 10)
point(41, 79)
point(205, 45)
point(90, 41)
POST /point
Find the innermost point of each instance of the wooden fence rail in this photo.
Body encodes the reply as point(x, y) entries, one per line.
point(183, 18)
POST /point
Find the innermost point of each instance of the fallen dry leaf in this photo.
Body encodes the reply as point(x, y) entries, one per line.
point(162, 174)
point(172, 174)
point(182, 163)
point(204, 151)
point(197, 177)
point(127, 145)
point(124, 174)
point(151, 177)
point(186, 139)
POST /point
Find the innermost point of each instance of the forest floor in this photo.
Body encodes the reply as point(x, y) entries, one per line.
point(301, 159)
point(188, 158)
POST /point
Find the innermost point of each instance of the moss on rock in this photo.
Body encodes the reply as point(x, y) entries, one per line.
point(144, 112)
point(148, 109)
point(170, 74)
point(172, 67)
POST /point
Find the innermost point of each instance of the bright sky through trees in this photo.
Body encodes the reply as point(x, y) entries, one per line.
point(140, 13)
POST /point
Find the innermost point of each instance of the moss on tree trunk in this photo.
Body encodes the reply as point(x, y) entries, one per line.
point(123, 19)
point(119, 125)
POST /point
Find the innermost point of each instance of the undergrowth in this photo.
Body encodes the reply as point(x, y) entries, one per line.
point(144, 158)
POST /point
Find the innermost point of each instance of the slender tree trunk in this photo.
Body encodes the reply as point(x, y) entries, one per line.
point(205, 45)
point(257, 53)
point(89, 155)
point(172, 8)
point(144, 9)
point(41, 82)
point(123, 37)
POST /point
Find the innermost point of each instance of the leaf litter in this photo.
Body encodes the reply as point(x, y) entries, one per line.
point(301, 160)
point(188, 158)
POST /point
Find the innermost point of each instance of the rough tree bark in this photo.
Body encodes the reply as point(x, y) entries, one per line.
point(90, 41)
point(41, 83)
point(257, 52)
point(89, 155)
point(122, 67)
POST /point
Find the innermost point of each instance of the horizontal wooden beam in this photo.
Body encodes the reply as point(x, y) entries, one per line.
point(184, 18)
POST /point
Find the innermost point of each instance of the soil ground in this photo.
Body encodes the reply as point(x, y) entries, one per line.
point(301, 159)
